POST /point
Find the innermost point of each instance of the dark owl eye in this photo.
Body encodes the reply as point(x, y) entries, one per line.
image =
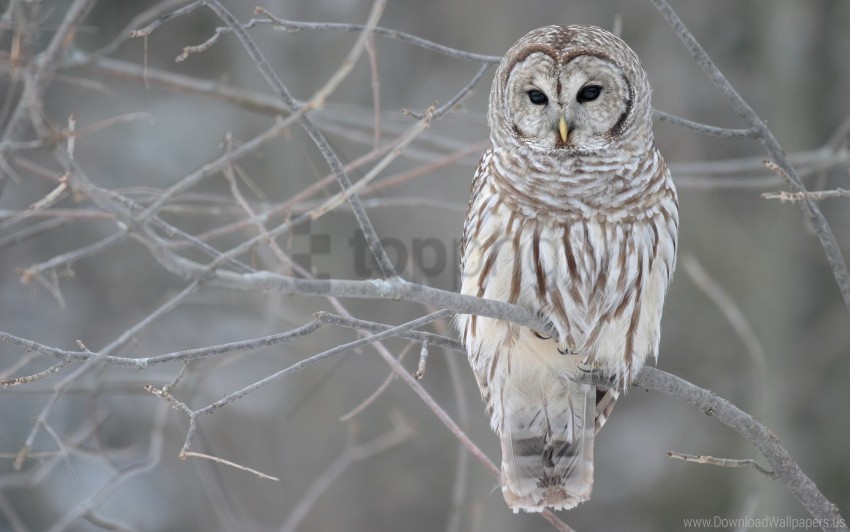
point(588, 94)
point(537, 97)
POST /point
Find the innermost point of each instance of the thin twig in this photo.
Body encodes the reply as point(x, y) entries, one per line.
point(454, 100)
point(740, 324)
point(186, 355)
point(287, 261)
point(383, 261)
point(293, 25)
point(45, 65)
point(35, 376)
point(66, 259)
point(722, 462)
point(315, 359)
point(795, 197)
point(160, 12)
point(215, 166)
point(106, 524)
point(750, 133)
point(124, 474)
point(371, 53)
point(348, 416)
point(161, 19)
point(345, 195)
point(317, 101)
point(460, 486)
point(260, 474)
point(165, 394)
point(92, 361)
point(343, 462)
point(456, 431)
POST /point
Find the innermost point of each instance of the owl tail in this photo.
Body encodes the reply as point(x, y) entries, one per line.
point(547, 444)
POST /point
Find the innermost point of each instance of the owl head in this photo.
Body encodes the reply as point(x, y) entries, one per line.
point(570, 90)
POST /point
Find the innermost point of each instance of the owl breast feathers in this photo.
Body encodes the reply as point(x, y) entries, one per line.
point(573, 215)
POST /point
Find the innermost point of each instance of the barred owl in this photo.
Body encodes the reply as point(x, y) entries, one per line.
point(573, 215)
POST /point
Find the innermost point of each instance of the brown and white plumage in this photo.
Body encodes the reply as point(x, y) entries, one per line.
point(573, 215)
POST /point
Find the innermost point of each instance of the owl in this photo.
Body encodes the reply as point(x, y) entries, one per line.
point(572, 215)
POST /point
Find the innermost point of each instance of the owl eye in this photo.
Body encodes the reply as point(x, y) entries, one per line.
point(537, 97)
point(588, 94)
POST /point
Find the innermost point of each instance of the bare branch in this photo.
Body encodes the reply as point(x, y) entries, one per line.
point(795, 197)
point(374, 289)
point(348, 416)
point(292, 25)
point(260, 474)
point(449, 105)
point(213, 167)
point(161, 13)
point(722, 462)
point(743, 109)
point(343, 462)
point(177, 356)
point(35, 376)
point(47, 62)
point(739, 323)
point(785, 468)
point(705, 129)
point(315, 359)
point(334, 202)
point(316, 136)
point(376, 89)
point(72, 256)
point(317, 101)
point(146, 463)
point(169, 14)
point(458, 433)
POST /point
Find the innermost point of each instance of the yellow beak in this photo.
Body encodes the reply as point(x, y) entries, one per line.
point(563, 129)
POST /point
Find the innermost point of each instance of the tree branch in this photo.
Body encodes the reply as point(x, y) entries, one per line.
point(743, 109)
point(386, 267)
point(44, 68)
point(722, 462)
point(784, 467)
point(749, 133)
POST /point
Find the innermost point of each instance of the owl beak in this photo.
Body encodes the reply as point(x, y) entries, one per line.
point(563, 129)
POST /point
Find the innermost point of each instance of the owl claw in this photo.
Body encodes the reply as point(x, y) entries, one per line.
point(567, 351)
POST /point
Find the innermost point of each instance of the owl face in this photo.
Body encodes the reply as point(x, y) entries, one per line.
point(568, 89)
